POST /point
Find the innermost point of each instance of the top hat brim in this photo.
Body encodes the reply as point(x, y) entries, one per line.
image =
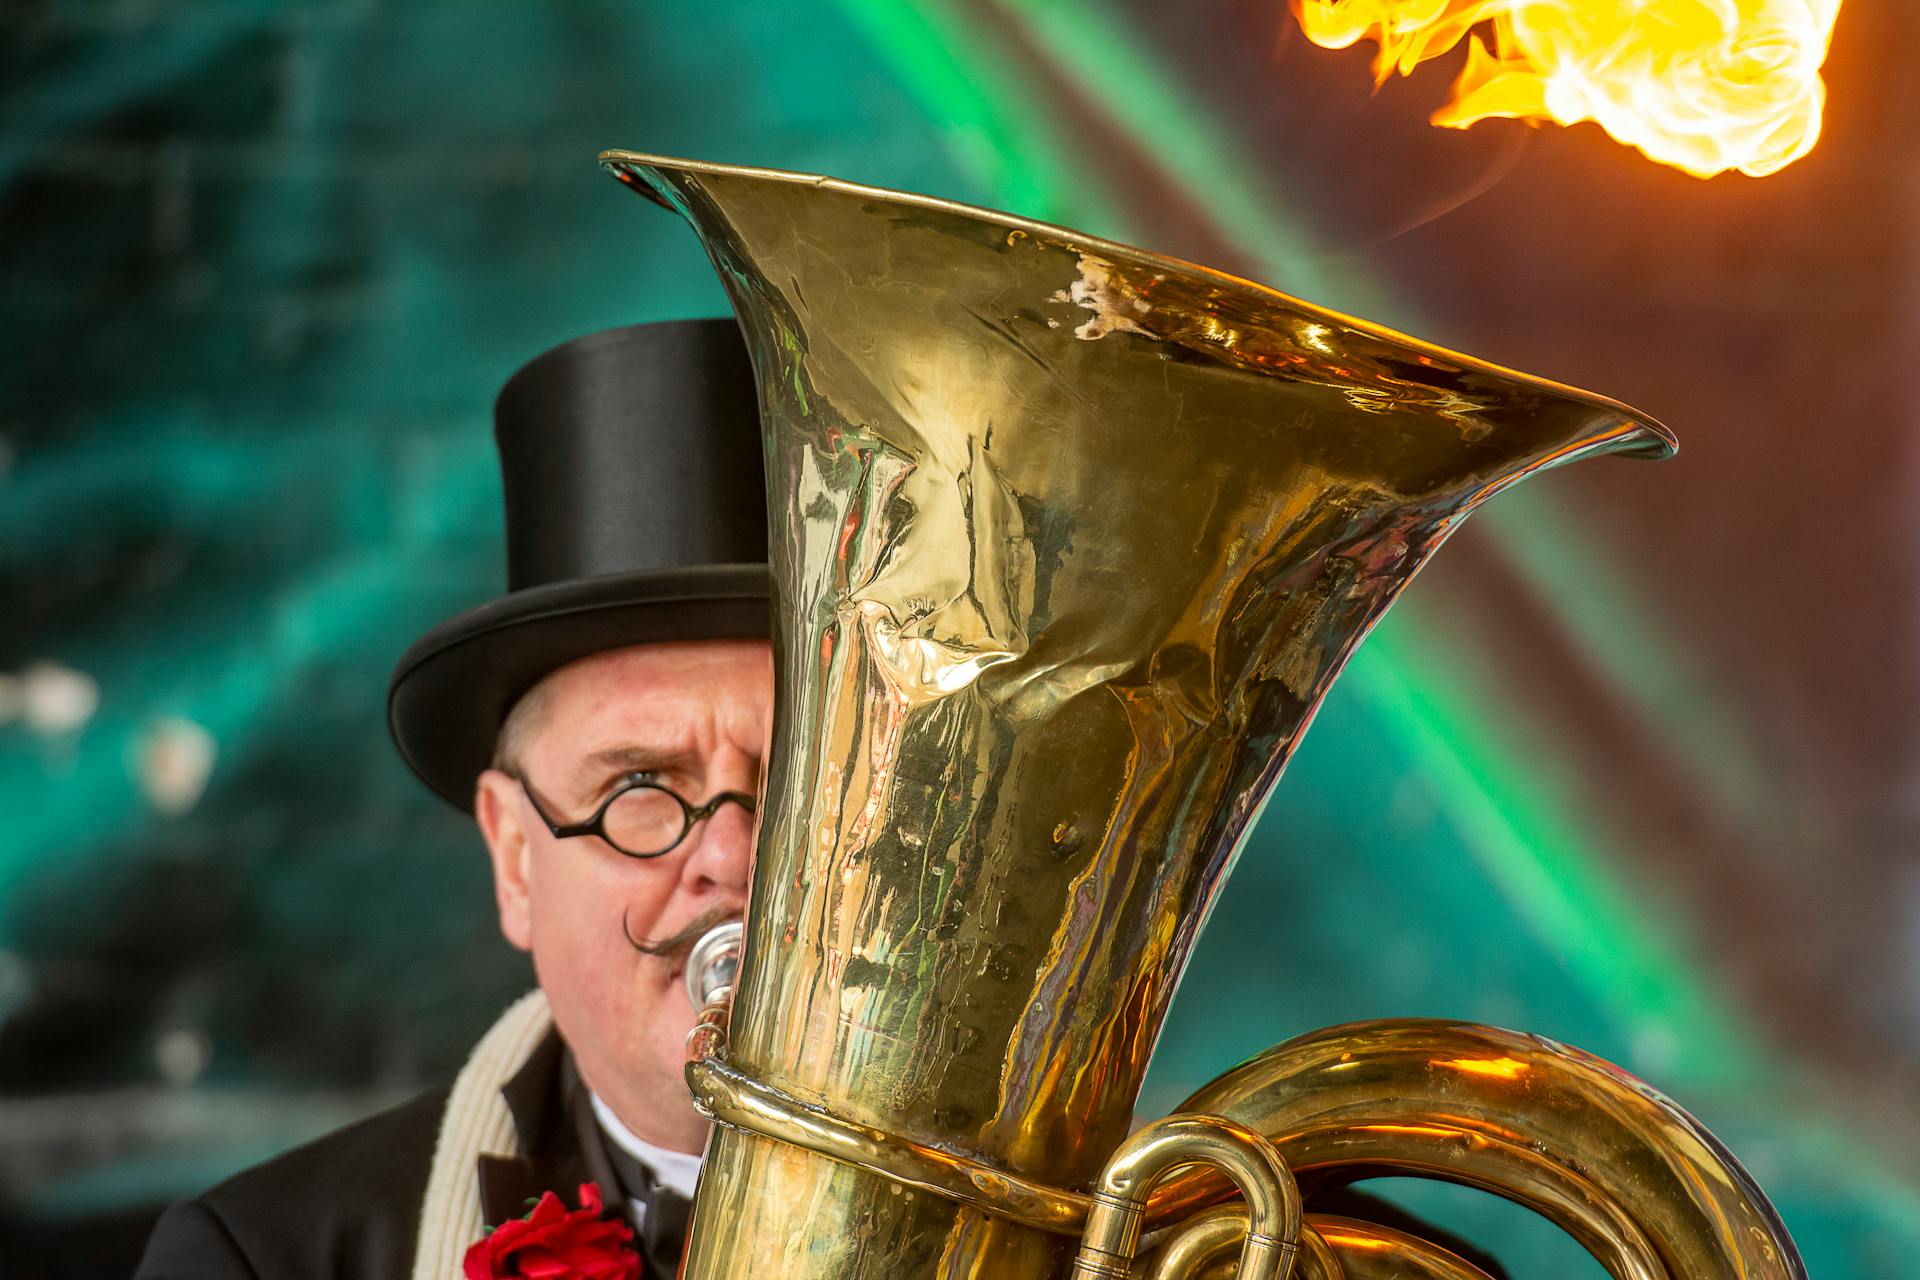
point(452, 690)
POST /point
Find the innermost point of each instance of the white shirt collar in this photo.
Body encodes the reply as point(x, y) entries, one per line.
point(675, 1169)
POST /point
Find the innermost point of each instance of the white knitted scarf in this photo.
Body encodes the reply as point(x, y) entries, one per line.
point(476, 1123)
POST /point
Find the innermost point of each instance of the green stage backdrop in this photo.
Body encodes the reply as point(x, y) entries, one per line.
point(1631, 767)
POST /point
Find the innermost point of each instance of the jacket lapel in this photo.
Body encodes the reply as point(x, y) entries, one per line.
point(559, 1143)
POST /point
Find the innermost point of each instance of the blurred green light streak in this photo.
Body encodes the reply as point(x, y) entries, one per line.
point(1093, 51)
point(1614, 941)
point(161, 474)
point(1000, 128)
point(1599, 608)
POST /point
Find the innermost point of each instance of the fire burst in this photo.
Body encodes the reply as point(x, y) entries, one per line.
point(1702, 85)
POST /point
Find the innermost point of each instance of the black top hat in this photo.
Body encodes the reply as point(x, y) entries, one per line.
point(636, 513)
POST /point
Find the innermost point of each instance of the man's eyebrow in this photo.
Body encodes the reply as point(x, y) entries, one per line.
point(630, 757)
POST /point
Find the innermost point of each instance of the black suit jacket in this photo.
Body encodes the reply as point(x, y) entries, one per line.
point(348, 1205)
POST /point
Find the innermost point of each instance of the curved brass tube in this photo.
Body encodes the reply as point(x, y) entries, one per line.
point(1208, 1236)
point(1206, 1245)
point(1500, 1164)
point(1370, 1251)
point(1619, 1167)
point(1331, 1248)
point(1120, 1198)
point(1317, 1261)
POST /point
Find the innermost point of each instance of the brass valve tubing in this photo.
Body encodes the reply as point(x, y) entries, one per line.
point(1120, 1197)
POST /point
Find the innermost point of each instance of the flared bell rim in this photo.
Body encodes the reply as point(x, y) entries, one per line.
point(1634, 435)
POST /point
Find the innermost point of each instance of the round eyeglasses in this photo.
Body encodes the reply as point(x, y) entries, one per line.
point(642, 818)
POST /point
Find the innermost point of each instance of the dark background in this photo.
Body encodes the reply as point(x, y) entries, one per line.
point(1634, 765)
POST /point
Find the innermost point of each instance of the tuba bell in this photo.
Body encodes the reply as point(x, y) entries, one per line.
point(1068, 541)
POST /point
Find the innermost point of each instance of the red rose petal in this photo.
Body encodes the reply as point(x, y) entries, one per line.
point(478, 1262)
point(556, 1243)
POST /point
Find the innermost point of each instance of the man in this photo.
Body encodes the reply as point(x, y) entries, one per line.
point(604, 722)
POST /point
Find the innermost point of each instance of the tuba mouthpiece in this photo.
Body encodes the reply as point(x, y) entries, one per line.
point(712, 964)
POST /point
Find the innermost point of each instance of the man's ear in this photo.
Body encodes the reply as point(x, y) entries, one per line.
point(496, 807)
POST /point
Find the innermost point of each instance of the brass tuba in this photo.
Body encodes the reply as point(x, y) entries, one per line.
point(1068, 541)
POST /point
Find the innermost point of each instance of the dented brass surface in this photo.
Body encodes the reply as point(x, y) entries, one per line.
point(1068, 541)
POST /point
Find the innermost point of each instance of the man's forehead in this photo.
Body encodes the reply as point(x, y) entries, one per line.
point(651, 700)
point(679, 669)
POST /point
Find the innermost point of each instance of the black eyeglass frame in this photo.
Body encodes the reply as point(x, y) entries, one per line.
point(596, 825)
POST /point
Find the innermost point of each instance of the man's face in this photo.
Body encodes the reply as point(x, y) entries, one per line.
point(693, 717)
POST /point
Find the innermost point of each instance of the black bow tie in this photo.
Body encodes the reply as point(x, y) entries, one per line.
point(663, 1233)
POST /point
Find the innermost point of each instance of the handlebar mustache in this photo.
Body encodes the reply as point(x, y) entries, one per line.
point(675, 946)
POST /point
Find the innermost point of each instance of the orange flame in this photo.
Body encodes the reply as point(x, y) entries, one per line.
point(1702, 85)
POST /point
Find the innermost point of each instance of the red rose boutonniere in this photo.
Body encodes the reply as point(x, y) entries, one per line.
point(556, 1243)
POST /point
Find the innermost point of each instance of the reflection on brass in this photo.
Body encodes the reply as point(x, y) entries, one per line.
point(1207, 1244)
point(1068, 541)
point(1205, 1247)
point(1272, 1227)
point(1317, 1260)
point(1370, 1251)
point(742, 1103)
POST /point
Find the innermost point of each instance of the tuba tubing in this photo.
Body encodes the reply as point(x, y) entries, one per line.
point(1270, 1226)
point(1203, 1247)
point(1620, 1167)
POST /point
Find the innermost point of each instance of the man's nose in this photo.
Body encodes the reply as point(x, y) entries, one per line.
point(722, 855)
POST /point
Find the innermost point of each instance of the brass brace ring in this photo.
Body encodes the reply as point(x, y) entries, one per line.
point(732, 1098)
